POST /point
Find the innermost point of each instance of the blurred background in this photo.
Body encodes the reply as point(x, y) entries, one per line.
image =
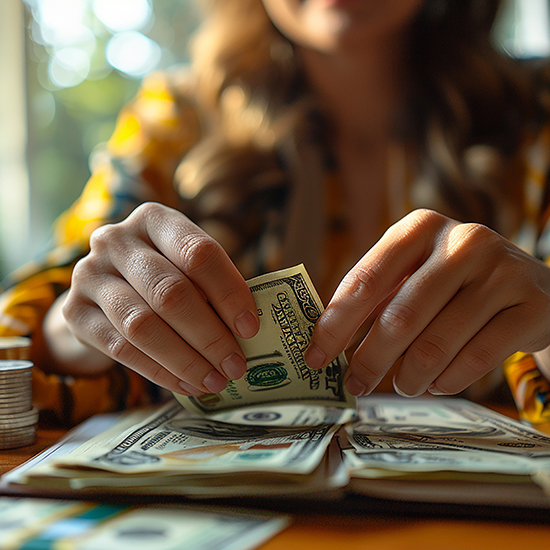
point(68, 66)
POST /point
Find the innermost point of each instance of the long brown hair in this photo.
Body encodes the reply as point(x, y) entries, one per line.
point(466, 117)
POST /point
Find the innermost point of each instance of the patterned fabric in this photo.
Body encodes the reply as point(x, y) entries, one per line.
point(153, 133)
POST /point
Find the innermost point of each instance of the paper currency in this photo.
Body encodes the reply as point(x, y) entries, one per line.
point(288, 306)
point(441, 434)
point(35, 523)
point(175, 452)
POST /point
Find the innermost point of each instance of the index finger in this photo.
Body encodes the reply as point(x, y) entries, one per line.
point(208, 266)
point(403, 248)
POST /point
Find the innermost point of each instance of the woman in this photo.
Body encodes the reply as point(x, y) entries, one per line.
point(303, 132)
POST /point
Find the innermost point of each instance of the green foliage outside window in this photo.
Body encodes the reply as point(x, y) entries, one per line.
point(85, 59)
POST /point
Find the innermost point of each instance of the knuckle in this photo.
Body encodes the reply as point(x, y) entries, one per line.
point(215, 342)
point(167, 293)
point(475, 237)
point(146, 210)
point(81, 268)
point(70, 309)
point(120, 349)
point(102, 236)
point(398, 322)
point(139, 325)
point(427, 353)
point(199, 253)
point(363, 370)
point(325, 335)
point(232, 296)
point(190, 370)
point(361, 285)
point(479, 361)
point(424, 217)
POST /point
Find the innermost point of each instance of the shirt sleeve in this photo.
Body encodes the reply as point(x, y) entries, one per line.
point(152, 133)
point(529, 387)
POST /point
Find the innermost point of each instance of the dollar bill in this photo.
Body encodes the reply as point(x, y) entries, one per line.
point(437, 434)
point(173, 451)
point(35, 523)
point(288, 307)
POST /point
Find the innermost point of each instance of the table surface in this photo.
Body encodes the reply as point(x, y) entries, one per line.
point(314, 531)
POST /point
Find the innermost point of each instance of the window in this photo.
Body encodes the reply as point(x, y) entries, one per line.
point(71, 65)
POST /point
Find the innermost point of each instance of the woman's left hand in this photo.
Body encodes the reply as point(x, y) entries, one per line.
point(453, 300)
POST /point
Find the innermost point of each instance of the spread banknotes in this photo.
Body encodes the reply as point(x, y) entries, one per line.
point(422, 449)
point(288, 307)
point(441, 434)
point(175, 452)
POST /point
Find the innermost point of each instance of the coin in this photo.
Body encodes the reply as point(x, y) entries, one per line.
point(15, 347)
point(15, 401)
point(12, 365)
point(17, 433)
point(25, 418)
point(15, 444)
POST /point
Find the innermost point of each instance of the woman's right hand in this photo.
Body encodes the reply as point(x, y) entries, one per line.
point(159, 295)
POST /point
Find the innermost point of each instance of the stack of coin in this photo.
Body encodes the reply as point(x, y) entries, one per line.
point(15, 347)
point(18, 419)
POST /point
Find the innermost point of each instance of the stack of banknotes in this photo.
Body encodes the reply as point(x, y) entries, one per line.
point(284, 430)
point(18, 419)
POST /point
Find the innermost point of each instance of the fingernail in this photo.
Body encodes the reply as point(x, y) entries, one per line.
point(355, 386)
point(401, 392)
point(214, 382)
point(246, 324)
point(233, 366)
point(314, 357)
point(433, 389)
point(187, 388)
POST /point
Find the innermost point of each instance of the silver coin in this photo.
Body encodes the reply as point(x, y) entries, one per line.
point(17, 433)
point(7, 342)
point(30, 416)
point(21, 392)
point(16, 381)
point(14, 401)
point(17, 426)
point(5, 393)
point(25, 402)
point(16, 444)
point(8, 411)
point(19, 385)
point(15, 395)
point(21, 431)
point(9, 388)
point(15, 347)
point(14, 365)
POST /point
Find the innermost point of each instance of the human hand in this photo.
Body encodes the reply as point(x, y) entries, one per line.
point(160, 296)
point(451, 300)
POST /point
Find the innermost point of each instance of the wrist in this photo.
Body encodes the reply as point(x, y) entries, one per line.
point(67, 354)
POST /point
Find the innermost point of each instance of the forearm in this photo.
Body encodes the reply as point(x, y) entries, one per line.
point(67, 355)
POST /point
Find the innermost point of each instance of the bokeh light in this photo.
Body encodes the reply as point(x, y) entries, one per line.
point(123, 15)
point(133, 53)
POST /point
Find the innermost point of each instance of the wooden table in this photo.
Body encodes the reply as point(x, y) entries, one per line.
point(311, 531)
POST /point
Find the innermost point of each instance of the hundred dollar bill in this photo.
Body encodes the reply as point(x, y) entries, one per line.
point(288, 306)
point(173, 451)
point(437, 434)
